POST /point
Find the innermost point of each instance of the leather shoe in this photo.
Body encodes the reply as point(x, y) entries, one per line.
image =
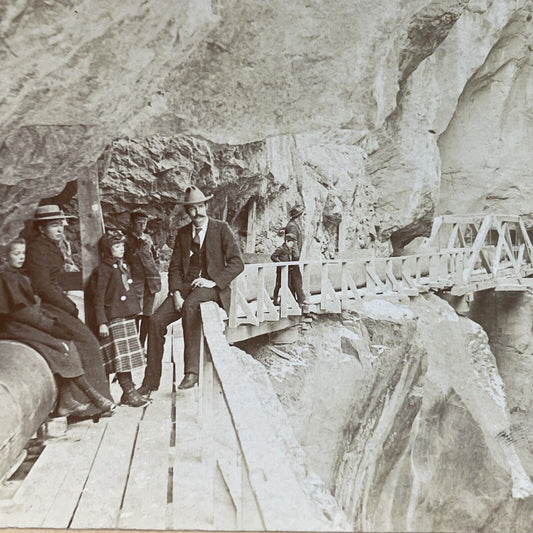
point(145, 390)
point(189, 381)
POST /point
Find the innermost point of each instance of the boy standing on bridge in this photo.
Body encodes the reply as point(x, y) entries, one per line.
point(205, 260)
point(288, 251)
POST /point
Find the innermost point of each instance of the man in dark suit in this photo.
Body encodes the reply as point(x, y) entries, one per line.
point(205, 259)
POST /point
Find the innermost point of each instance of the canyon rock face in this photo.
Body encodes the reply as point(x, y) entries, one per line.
point(422, 439)
point(346, 108)
point(486, 160)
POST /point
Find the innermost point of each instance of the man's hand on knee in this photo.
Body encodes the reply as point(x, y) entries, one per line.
point(178, 300)
point(202, 282)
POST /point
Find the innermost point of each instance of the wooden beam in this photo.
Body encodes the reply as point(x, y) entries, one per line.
point(341, 237)
point(91, 220)
point(252, 227)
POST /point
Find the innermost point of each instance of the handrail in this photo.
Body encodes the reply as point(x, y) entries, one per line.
point(341, 282)
point(271, 495)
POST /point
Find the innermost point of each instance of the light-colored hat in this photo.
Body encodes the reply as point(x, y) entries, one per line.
point(193, 195)
point(46, 213)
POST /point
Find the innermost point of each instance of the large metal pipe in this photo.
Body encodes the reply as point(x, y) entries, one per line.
point(27, 396)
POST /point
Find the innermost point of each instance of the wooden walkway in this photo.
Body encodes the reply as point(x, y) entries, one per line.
point(198, 459)
point(138, 469)
point(465, 254)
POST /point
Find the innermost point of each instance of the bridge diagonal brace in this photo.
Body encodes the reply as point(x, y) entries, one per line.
point(373, 282)
point(348, 286)
point(329, 302)
point(249, 315)
point(477, 252)
point(525, 237)
point(507, 247)
point(289, 306)
point(270, 313)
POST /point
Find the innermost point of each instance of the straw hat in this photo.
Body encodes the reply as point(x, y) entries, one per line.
point(46, 213)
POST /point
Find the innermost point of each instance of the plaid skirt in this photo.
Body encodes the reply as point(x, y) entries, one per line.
point(122, 350)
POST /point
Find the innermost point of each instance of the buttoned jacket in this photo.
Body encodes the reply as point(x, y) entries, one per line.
point(222, 256)
point(111, 298)
point(44, 265)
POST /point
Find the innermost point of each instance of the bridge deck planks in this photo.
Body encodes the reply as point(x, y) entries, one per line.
point(67, 498)
point(145, 501)
point(35, 497)
point(100, 502)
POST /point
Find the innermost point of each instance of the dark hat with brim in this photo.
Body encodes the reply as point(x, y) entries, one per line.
point(193, 195)
point(291, 237)
point(296, 210)
point(48, 213)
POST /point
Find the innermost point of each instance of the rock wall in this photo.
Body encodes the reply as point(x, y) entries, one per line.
point(415, 431)
point(347, 110)
point(486, 158)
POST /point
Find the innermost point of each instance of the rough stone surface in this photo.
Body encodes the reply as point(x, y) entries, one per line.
point(487, 162)
point(347, 104)
point(425, 394)
point(326, 177)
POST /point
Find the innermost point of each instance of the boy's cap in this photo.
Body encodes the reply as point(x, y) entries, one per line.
point(291, 237)
point(138, 213)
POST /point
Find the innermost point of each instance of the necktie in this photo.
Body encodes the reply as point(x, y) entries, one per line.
point(196, 238)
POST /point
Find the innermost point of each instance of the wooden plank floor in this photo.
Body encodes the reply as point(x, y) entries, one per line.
point(138, 469)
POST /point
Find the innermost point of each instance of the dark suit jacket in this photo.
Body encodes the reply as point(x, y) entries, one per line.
point(141, 258)
point(44, 265)
point(294, 228)
point(222, 255)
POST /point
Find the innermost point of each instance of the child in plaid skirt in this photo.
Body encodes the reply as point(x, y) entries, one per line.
point(116, 307)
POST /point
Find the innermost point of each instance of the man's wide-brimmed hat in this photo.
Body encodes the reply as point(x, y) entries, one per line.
point(47, 213)
point(193, 195)
point(296, 210)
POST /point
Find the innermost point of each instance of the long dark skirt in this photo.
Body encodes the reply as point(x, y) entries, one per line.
point(89, 352)
point(62, 356)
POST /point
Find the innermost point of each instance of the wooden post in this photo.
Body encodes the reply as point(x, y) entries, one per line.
point(341, 242)
point(251, 230)
point(91, 220)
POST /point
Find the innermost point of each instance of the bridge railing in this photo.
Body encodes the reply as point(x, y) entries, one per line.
point(498, 242)
point(333, 285)
point(472, 252)
point(249, 464)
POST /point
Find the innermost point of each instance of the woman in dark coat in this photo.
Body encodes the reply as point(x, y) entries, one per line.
point(44, 266)
point(23, 319)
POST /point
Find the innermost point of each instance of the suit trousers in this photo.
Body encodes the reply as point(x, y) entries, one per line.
point(164, 315)
point(295, 283)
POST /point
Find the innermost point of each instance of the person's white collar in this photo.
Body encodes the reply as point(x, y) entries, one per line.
point(202, 231)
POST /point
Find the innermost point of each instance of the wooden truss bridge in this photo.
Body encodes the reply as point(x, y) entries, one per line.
point(464, 254)
point(212, 458)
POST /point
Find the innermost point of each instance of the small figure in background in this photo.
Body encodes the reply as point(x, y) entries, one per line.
point(294, 225)
point(288, 251)
point(116, 306)
point(141, 257)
